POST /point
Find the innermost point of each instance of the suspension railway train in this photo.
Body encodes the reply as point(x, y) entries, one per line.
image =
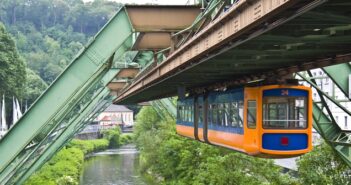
point(272, 121)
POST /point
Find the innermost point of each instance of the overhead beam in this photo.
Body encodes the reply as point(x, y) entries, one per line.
point(244, 16)
point(151, 18)
point(127, 73)
point(153, 41)
point(117, 85)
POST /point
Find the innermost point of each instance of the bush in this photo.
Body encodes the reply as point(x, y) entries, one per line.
point(323, 166)
point(67, 163)
point(65, 167)
point(89, 146)
point(113, 136)
point(126, 139)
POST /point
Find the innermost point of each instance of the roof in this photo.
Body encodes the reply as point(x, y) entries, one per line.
point(117, 108)
point(106, 118)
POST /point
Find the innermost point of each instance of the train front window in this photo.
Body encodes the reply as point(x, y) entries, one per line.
point(284, 112)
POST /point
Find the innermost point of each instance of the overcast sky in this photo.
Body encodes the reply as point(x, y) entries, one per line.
point(164, 2)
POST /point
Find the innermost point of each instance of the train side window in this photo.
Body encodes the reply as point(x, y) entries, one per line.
point(251, 113)
point(221, 115)
point(227, 114)
point(234, 112)
point(214, 114)
point(187, 114)
point(200, 114)
point(209, 115)
point(192, 113)
point(179, 114)
point(241, 113)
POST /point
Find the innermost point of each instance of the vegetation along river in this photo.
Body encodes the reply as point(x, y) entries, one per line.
point(117, 166)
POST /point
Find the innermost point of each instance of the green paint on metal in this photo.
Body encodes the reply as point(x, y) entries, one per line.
point(98, 86)
point(63, 95)
point(340, 76)
point(323, 118)
point(61, 141)
point(165, 108)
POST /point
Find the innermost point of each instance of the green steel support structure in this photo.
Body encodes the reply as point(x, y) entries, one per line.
point(323, 117)
point(33, 135)
point(59, 143)
point(165, 107)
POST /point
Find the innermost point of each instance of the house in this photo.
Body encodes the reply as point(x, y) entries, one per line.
point(116, 115)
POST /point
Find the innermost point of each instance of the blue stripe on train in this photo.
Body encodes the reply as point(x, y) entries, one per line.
point(285, 92)
point(274, 141)
point(236, 130)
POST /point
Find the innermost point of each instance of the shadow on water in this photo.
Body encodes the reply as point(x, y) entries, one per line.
point(118, 166)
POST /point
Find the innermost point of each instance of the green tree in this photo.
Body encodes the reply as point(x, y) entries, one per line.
point(323, 166)
point(12, 69)
point(34, 87)
point(113, 136)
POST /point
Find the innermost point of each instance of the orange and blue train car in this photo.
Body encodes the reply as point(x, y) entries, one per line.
point(273, 121)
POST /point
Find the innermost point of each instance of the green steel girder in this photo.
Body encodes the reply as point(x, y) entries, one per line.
point(63, 119)
point(331, 133)
point(40, 148)
point(64, 93)
point(168, 106)
point(155, 105)
point(144, 58)
point(57, 144)
point(165, 108)
point(340, 76)
point(323, 121)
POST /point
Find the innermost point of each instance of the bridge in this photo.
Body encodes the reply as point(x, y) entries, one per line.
point(146, 53)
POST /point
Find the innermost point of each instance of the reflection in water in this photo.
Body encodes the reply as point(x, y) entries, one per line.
point(111, 167)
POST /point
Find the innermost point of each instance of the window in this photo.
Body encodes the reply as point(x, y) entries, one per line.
point(284, 112)
point(200, 114)
point(227, 114)
point(251, 113)
point(214, 114)
point(345, 121)
point(235, 118)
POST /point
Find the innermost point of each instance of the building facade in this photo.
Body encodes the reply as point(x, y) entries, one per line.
point(116, 115)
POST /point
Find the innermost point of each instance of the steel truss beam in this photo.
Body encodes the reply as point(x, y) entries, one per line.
point(165, 107)
point(323, 117)
point(54, 112)
point(73, 128)
point(65, 124)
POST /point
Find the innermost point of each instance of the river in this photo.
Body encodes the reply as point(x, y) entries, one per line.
point(110, 167)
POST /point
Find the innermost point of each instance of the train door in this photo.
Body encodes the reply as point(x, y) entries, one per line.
point(251, 120)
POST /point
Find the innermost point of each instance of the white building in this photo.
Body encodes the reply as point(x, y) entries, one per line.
point(116, 115)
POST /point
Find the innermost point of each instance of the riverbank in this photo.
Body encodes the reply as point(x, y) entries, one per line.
point(65, 167)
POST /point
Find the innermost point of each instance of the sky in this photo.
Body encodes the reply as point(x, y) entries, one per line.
point(163, 2)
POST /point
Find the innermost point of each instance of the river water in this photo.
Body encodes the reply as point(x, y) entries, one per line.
point(117, 166)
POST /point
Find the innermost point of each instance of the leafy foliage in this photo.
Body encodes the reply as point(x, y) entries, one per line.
point(12, 68)
point(34, 86)
point(182, 161)
point(323, 166)
point(48, 34)
point(113, 136)
point(65, 167)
